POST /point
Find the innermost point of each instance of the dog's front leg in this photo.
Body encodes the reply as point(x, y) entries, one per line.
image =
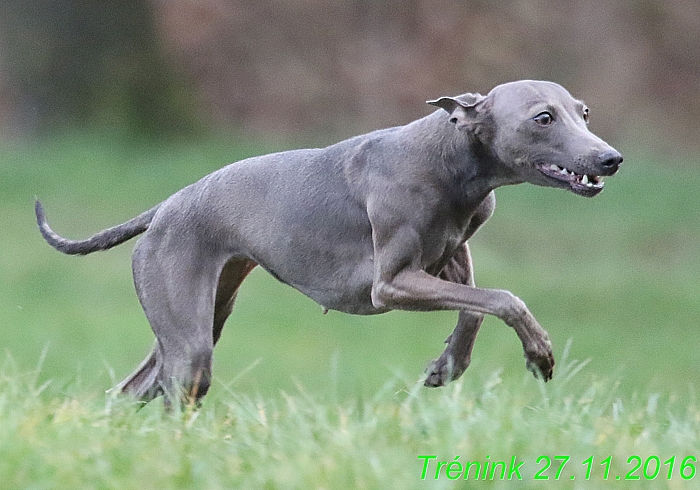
point(456, 357)
point(412, 289)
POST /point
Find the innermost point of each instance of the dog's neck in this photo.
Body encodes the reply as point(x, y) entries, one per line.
point(458, 159)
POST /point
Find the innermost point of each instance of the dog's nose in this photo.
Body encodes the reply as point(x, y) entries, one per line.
point(610, 159)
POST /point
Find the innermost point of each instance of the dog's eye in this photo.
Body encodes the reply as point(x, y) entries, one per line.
point(585, 115)
point(543, 119)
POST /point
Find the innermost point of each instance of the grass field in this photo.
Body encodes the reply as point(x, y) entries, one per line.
point(305, 400)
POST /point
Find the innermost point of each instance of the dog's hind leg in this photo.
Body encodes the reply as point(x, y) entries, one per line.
point(176, 281)
point(457, 355)
point(142, 383)
point(232, 275)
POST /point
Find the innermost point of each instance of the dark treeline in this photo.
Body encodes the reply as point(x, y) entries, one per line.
point(339, 66)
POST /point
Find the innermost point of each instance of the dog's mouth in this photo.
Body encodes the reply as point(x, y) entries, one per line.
point(581, 184)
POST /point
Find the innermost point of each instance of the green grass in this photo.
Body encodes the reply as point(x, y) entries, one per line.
point(296, 440)
point(305, 400)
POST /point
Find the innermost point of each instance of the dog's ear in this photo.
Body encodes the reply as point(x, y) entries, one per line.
point(462, 109)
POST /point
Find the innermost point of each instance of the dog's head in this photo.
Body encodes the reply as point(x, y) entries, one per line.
point(539, 131)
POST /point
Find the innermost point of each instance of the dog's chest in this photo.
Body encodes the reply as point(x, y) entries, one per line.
point(441, 242)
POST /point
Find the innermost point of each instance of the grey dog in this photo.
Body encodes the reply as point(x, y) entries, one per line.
point(371, 224)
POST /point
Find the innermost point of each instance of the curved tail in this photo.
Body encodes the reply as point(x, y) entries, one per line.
point(100, 241)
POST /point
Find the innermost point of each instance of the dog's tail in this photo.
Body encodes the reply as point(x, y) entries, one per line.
point(100, 241)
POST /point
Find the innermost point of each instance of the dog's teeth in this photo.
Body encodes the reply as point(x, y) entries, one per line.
point(564, 171)
point(554, 167)
point(584, 179)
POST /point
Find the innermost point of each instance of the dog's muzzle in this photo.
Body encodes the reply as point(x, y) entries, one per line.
point(610, 160)
point(587, 185)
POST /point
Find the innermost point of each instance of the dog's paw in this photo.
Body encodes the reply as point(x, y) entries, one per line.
point(443, 370)
point(435, 376)
point(541, 363)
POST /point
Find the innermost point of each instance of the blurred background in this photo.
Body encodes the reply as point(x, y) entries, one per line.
point(106, 108)
point(338, 66)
